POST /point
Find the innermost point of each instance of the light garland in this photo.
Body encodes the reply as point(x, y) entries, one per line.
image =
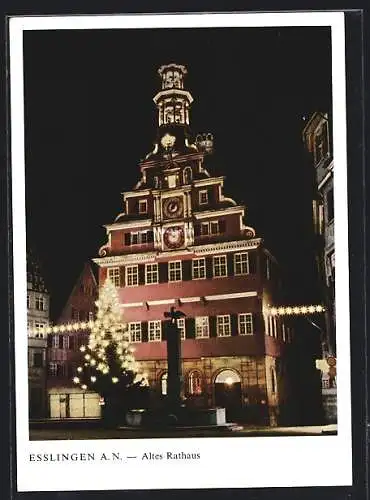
point(295, 310)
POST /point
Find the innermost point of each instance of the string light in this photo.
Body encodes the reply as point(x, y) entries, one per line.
point(296, 310)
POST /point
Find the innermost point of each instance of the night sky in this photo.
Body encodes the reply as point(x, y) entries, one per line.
point(90, 118)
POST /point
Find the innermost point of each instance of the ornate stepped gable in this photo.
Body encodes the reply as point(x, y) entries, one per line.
point(177, 204)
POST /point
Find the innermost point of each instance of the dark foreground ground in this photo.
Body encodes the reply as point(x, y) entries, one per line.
point(86, 430)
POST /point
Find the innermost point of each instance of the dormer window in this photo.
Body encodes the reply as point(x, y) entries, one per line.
point(172, 181)
point(143, 206)
point(203, 197)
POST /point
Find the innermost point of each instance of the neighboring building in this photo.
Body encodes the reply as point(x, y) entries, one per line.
point(181, 241)
point(38, 306)
point(65, 400)
point(317, 137)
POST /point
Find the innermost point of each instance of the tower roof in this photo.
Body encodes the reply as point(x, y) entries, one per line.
point(34, 273)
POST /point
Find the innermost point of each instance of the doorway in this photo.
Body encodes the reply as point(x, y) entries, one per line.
point(228, 393)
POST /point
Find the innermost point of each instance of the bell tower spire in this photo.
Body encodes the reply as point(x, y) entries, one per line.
point(172, 101)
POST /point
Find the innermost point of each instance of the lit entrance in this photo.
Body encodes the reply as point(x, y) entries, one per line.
point(228, 393)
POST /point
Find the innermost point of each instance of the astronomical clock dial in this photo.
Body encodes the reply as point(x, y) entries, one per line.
point(174, 237)
point(173, 207)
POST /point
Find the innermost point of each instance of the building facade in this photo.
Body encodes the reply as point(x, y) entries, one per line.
point(181, 241)
point(38, 307)
point(317, 137)
point(65, 400)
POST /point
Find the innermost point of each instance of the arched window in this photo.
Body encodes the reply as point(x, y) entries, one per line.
point(195, 382)
point(228, 377)
point(164, 379)
point(187, 175)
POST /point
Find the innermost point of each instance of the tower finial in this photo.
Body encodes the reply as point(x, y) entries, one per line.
point(172, 101)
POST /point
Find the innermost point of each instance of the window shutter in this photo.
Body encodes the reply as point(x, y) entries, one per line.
point(141, 270)
point(230, 264)
point(212, 326)
point(150, 236)
point(144, 331)
point(164, 326)
point(190, 328)
point(136, 206)
point(209, 268)
point(122, 276)
point(197, 229)
point(163, 272)
point(127, 239)
point(258, 322)
point(60, 341)
point(186, 270)
point(252, 262)
point(222, 225)
point(72, 342)
point(234, 325)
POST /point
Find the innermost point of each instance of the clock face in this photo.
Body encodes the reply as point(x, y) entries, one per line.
point(174, 237)
point(173, 207)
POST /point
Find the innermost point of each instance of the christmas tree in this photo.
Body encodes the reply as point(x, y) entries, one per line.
point(109, 367)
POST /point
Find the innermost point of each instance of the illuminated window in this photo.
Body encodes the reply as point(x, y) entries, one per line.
point(201, 327)
point(274, 323)
point(245, 324)
point(199, 268)
point(223, 326)
point(283, 331)
point(151, 274)
point(181, 326)
point(241, 263)
point(195, 383)
point(143, 206)
point(135, 332)
point(155, 331)
point(219, 266)
point(174, 271)
point(114, 276)
point(40, 327)
point(40, 303)
point(132, 275)
point(203, 197)
point(164, 379)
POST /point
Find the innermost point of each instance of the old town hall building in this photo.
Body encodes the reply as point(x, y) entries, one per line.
point(181, 241)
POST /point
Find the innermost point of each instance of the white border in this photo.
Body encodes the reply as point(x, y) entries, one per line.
point(251, 462)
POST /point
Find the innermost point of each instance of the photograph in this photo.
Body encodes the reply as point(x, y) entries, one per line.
point(174, 248)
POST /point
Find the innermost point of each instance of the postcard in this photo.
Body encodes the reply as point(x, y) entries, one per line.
point(181, 290)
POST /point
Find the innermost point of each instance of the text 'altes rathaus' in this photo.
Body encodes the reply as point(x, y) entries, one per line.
point(180, 241)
